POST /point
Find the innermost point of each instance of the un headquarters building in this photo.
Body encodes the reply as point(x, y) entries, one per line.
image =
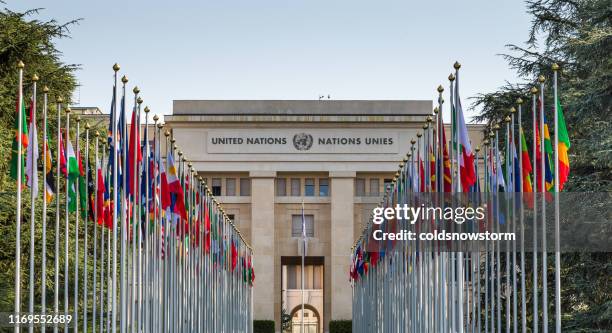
point(263, 159)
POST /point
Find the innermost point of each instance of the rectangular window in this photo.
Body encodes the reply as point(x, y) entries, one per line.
point(281, 187)
point(359, 187)
point(386, 184)
point(295, 187)
point(245, 187)
point(230, 186)
point(216, 186)
point(374, 187)
point(323, 187)
point(292, 277)
point(309, 187)
point(296, 225)
point(318, 277)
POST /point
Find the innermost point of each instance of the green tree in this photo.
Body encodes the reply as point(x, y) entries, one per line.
point(26, 38)
point(577, 35)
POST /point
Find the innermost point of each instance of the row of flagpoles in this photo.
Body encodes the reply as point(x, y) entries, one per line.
point(417, 286)
point(165, 256)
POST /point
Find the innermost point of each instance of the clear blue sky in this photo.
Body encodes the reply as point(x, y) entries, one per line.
point(272, 49)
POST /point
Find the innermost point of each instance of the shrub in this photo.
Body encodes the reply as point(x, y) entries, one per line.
point(340, 326)
point(263, 326)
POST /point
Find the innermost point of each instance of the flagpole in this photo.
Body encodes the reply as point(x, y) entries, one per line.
point(44, 215)
point(85, 247)
point(132, 176)
point(498, 255)
point(542, 79)
point(509, 187)
point(519, 102)
point(534, 92)
point(33, 174)
point(76, 231)
point(440, 151)
point(486, 263)
point(513, 202)
point(303, 254)
point(451, 79)
point(66, 217)
point(59, 101)
point(19, 135)
point(555, 69)
point(95, 226)
point(458, 151)
point(147, 279)
point(115, 206)
point(124, 211)
point(103, 245)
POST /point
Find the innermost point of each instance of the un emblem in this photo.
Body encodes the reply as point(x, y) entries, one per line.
point(302, 141)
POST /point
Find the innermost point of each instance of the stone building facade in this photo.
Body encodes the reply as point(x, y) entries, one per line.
point(265, 160)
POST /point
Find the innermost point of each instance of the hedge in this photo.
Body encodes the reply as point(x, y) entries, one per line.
point(340, 326)
point(263, 326)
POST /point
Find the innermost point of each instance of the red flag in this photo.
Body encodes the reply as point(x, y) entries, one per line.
point(100, 195)
point(447, 164)
point(206, 228)
point(421, 175)
point(62, 154)
point(165, 193)
point(134, 149)
point(234, 255)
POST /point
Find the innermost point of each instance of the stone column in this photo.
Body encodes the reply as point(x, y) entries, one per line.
point(262, 231)
point(342, 216)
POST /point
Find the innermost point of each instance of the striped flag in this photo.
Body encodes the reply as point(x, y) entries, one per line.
point(526, 164)
point(18, 161)
point(49, 175)
point(466, 160)
point(564, 145)
point(175, 189)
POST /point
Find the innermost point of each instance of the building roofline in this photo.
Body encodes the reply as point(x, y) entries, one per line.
point(302, 107)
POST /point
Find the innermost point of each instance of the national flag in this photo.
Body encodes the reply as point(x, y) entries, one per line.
point(564, 145)
point(83, 184)
point(421, 175)
point(134, 152)
point(49, 175)
point(447, 162)
point(432, 169)
point(31, 170)
point(165, 193)
point(73, 175)
point(100, 194)
point(18, 161)
point(466, 160)
point(527, 169)
point(515, 164)
point(108, 205)
point(498, 177)
point(251, 272)
point(548, 151)
point(207, 232)
point(62, 154)
point(175, 189)
point(91, 192)
point(234, 255)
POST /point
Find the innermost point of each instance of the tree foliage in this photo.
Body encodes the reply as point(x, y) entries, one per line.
point(577, 35)
point(24, 37)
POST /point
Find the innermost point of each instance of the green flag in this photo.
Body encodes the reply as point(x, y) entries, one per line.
point(19, 161)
